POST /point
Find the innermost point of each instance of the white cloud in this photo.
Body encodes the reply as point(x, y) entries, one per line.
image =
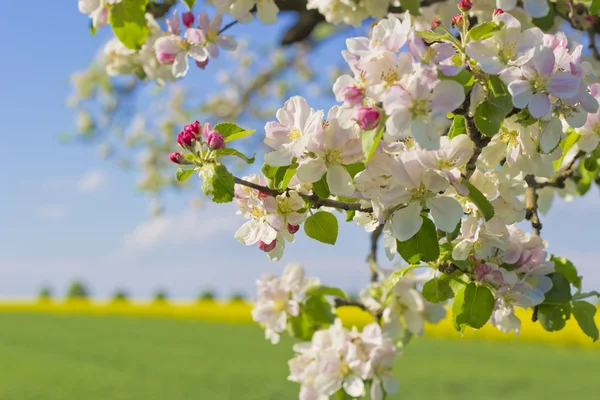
point(92, 181)
point(182, 229)
point(52, 211)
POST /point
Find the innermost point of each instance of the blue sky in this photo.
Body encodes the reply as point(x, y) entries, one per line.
point(68, 214)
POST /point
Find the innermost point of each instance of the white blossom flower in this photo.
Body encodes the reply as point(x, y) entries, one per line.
point(97, 10)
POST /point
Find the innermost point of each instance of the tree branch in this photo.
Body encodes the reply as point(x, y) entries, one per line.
point(339, 302)
point(314, 200)
point(531, 202)
point(372, 257)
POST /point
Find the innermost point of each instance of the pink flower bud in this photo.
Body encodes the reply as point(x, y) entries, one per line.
point(267, 247)
point(458, 20)
point(464, 5)
point(193, 128)
point(188, 19)
point(293, 228)
point(481, 270)
point(215, 140)
point(353, 95)
point(202, 64)
point(165, 58)
point(185, 139)
point(435, 23)
point(589, 18)
point(498, 11)
point(367, 118)
point(262, 195)
point(176, 158)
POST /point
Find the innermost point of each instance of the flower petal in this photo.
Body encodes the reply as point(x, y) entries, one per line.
point(407, 221)
point(446, 212)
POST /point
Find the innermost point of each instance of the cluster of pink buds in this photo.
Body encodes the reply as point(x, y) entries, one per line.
point(191, 133)
point(465, 5)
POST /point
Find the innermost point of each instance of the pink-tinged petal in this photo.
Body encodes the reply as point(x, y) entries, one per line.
point(276, 135)
point(539, 105)
point(544, 61)
point(226, 42)
point(550, 136)
point(588, 102)
point(195, 36)
point(447, 96)
point(167, 44)
point(212, 50)
point(216, 22)
point(395, 98)
point(521, 93)
point(509, 21)
point(398, 122)
point(358, 46)
point(563, 84)
point(485, 52)
point(416, 46)
point(406, 222)
point(204, 21)
point(407, 171)
point(443, 50)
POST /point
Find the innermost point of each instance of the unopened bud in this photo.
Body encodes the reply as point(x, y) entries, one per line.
point(353, 95)
point(215, 140)
point(202, 64)
point(267, 247)
point(193, 128)
point(498, 11)
point(367, 118)
point(293, 228)
point(188, 19)
point(464, 5)
point(435, 23)
point(458, 20)
point(165, 58)
point(185, 139)
point(177, 158)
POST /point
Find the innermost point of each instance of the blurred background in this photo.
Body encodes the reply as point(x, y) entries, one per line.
point(91, 210)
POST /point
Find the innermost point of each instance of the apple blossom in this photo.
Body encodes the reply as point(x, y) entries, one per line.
point(212, 38)
point(97, 10)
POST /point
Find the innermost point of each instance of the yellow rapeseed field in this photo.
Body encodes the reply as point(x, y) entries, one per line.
point(239, 312)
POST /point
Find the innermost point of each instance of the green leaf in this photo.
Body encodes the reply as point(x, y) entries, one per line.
point(128, 21)
point(488, 118)
point(370, 140)
point(484, 30)
point(322, 226)
point(321, 188)
point(326, 291)
point(433, 37)
point(566, 144)
point(287, 177)
point(423, 246)
point(182, 175)
point(483, 204)
point(300, 327)
point(458, 127)
point(318, 310)
point(498, 94)
point(584, 313)
point(566, 268)
point(396, 276)
point(595, 7)
point(227, 151)
point(590, 164)
point(554, 317)
point(547, 22)
point(355, 168)
point(350, 215)
point(464, 78)
point(473, 306)
point(437, 290)
point(560, 292)
point(412, 6)
point(189, 3)
point(218, 182)
point(231, 131)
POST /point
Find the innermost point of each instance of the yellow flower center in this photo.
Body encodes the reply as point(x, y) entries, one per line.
point(295, 134)
point(421, 194)
point(344, 369)
point(507, 53)
point(333, 157)
point(390, 77)
point(280, 304)
point(420, 107)
point(509, 137)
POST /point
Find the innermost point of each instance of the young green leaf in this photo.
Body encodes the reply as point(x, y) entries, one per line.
point(355, 168)
point(484, 30)
point(473, 306)
point(423, 246)
point(433, 37)
point(437, 290)
point(464, 77)
point(128, 21)
point(218, 182)
point(498, 95)
point(483, 204)
point(326, 291)
point(370, 141)
point(560, 293)
point(595, 7)
point(457, 127)
point(321, 188)
point(182, 175)
point(584, 313)
point(318, 310)
point(350, 215)
point(395, 277)
point(566, 268)
point(189, 3)
point(488, 118)
point(227, 151)
point(554, 317)
point(322, 226)
point(282, 180)
point(231, 131)
point(566, 144)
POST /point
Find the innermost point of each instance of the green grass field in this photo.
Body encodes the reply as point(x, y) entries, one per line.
point(44, 356)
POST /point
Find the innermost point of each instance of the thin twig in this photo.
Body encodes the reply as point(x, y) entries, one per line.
point(339, 302)
point(372, 257)
point(314, 200)
point(229, 25)
point(531, 202)
point(559, 182)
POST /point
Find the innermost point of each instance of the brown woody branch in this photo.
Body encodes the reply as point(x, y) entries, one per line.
point(339, 302)
point(314, 200)
point(531, 202)
point(372, 257)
